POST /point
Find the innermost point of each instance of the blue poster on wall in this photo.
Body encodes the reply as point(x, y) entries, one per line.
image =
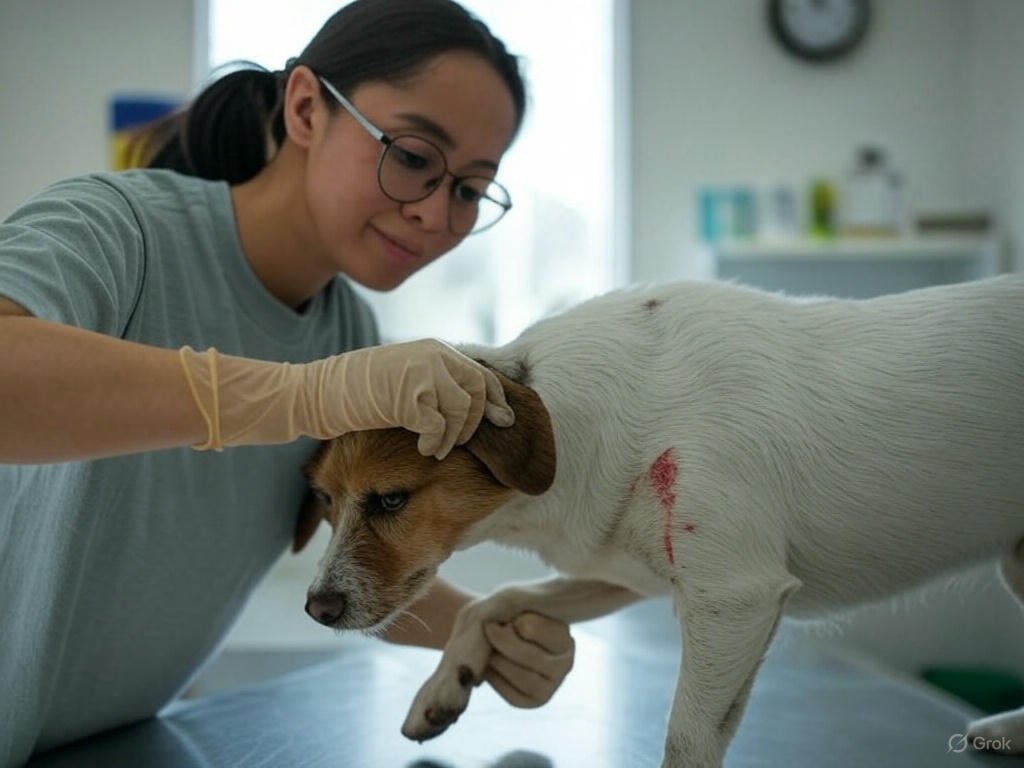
point(129, 113)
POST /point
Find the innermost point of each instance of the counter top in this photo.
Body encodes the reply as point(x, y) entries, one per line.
point(810, 706)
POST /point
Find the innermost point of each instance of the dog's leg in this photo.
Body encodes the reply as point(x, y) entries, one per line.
point(1004, 732)
point(726, 633)
point(445, 694)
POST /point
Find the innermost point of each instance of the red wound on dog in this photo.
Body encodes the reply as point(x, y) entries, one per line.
point(663, 478)
point(662, 475)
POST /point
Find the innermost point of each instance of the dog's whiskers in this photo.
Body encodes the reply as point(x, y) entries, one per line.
point(411, 615)
point(398, 623)
point(378, 629)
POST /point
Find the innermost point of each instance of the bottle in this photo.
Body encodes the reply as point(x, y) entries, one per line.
point(871, 196)
point(744, 213)
point(781, 218)
point(823, 209)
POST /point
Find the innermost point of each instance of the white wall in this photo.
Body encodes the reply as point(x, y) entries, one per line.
point(716, 100)
point(995, 112)
point(60, 62)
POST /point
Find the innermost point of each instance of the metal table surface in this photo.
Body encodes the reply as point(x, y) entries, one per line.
point(810, 706)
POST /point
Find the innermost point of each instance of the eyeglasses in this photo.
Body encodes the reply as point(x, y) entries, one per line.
point(411, 169)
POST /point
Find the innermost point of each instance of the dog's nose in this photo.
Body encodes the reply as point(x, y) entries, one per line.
point(326, 607)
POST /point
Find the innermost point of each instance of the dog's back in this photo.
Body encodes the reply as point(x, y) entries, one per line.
point(891, 428)
point(897, 441)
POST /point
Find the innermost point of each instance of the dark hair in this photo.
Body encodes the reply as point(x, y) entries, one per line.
point(224, 132)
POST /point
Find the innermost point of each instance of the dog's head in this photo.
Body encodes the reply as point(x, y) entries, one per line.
point(397, 515)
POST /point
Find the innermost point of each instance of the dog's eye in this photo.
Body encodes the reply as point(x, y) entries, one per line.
point(385, 503)
point(322, 496)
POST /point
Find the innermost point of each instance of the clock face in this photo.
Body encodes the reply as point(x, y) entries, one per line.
point(818, 30)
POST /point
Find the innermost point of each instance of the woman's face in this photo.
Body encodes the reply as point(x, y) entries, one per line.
point(459, 103)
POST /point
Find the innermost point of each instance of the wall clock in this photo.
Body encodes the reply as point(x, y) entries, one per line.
point(819, 30)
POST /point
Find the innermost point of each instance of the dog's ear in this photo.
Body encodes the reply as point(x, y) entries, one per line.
point(307, 522)
point(521, 456)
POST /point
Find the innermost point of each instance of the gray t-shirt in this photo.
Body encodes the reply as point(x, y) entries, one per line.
point(120, 577)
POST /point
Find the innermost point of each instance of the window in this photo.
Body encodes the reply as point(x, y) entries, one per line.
point(556, 246)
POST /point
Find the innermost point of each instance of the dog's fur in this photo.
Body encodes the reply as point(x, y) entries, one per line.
point(745, 452)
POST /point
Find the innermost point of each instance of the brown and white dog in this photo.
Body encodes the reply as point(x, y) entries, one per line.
point(748, 453)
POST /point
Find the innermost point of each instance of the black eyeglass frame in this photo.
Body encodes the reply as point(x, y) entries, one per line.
point(387, 142)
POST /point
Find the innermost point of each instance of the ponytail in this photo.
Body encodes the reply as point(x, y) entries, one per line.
point(224, 133)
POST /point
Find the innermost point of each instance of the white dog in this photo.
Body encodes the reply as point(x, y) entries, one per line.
point(748, 453)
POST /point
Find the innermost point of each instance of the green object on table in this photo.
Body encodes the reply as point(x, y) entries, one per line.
point(990, 690)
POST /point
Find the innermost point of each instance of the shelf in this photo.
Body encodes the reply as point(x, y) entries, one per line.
point(857, 249)
point(855, 267)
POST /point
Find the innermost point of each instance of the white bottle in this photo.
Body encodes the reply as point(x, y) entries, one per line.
point(871, 196)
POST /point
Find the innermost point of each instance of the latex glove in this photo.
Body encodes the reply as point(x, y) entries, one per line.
point(424, 386)
point(532, 655)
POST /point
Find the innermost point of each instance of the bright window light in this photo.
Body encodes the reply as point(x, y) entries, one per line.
point(555, 247)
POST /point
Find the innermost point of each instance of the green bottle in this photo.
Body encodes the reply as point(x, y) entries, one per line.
point(823, 209)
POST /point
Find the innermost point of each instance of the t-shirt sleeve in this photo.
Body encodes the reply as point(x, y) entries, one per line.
point(74, 254)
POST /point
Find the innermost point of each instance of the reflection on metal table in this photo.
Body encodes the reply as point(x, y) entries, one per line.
point(810, 706)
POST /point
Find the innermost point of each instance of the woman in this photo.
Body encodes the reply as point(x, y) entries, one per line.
point(137, 315)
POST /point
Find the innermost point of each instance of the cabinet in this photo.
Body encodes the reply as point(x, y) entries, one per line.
point(856, 267)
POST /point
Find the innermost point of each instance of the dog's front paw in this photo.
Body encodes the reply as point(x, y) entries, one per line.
point(439, 702)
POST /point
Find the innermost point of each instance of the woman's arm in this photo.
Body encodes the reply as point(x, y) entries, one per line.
point(68, 393)
point(429, 620)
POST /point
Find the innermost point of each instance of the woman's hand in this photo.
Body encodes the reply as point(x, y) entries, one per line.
point(532, 655)
point(424, 386)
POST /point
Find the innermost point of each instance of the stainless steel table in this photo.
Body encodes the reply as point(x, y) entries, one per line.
point(810, 707)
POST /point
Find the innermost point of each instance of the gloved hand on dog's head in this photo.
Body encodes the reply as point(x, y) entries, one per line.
point(424, 386)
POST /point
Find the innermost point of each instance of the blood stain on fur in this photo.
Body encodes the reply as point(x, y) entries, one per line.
point(662, 476)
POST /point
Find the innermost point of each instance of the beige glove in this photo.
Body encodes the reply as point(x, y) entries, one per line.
point(425, 386)
point(532, 655)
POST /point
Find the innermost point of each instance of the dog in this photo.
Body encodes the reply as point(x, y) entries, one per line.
point(748, 453)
